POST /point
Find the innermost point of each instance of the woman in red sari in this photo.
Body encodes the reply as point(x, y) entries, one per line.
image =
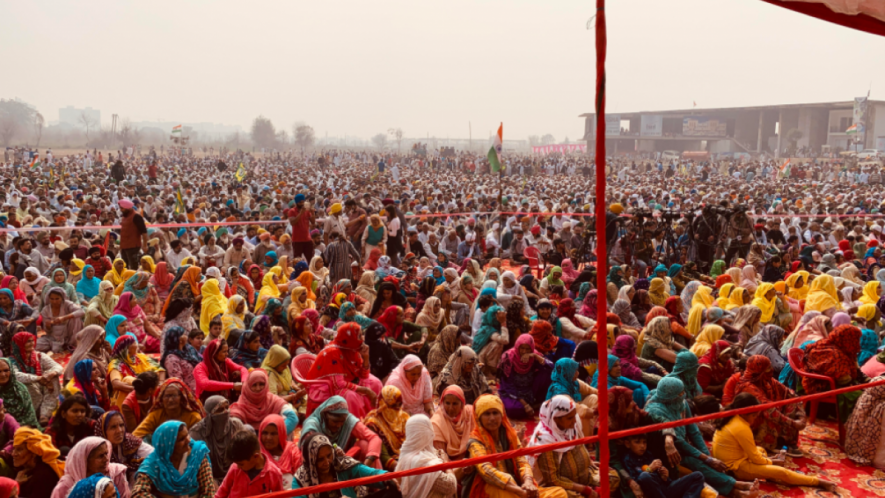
point(836, 356)
point(715, 367)
point(340, 365)
point(674, 307)
point(776, 427)
point(304, 338)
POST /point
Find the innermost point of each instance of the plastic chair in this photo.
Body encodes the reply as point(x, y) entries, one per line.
point(795, 357)
point(534, 256)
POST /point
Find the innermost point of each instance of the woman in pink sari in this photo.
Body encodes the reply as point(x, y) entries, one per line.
point(569, 274)
point(162, 281)
point(138, 323)
point(344, 368)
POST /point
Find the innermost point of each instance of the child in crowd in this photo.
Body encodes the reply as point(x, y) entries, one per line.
point(653, 476)
point(252, 473)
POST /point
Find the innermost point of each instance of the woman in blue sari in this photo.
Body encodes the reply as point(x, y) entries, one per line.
point(88, 286)
point(159, 474)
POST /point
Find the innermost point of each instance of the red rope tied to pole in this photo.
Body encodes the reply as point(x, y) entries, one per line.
point(601, 259)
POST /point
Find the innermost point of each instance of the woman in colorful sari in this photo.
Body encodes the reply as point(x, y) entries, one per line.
point(634, 368)
point(180, 358)
point(463, 371)
point(835, 357)
point(823, 296)
point(240, 285)
point(453, 423)
point(448, 341)
point(161, 281)
point(341, 365)
point(389, 422)
point(32, 283)
point(144, 295)
point(414, 384)
point(187, 287)
point(303, 339)
point(126, 363)
point(523, 378)
point(218, 374)
point(256, 402)
point(657, 292)
point(774, 428)
point(492, 433)
point(333, 420)
point(101, 307)
point(657, 342)
point(715, 368)
point(62, 319)
point(86, 460)
point(59, 281)
point(174, 401)
point(36, 462)
point(768, 343)
point(137, 323)
point(640, 392)
point(217, 430)
point(213, 303)
point(863, 432)
point(15, 396)
point(279, 377)
point(160, 474)
point(89, 285)
point(300, 302)
point(324, 463)
point(705, 340)
point(546, 342)
point(91, 344)
point(405, 337)
point(126, 449)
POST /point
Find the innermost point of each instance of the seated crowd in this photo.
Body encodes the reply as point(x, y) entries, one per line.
point(240, 362)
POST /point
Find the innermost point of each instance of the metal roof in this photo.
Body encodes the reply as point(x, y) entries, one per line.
point(834, 105)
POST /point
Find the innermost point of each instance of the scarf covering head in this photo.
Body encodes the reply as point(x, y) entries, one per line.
point(133, 283)
point(233, 320)
point(189, 402)
point(41, 445)
point(667, 402)
point(341, 357)
point(703, 296)
point(748, 278)
point(506, 437)
point(620, 400)
point(251, 408)
point(418, 452)
point(718, 268)
point(688, 293)
point(445, 345)
point(542, 333)
point(871, 292)
point(704, 341)
point(389, 320)
point(159, 468)
point(625, 350)
point(86, 339)
point(268, 291)
point(834, 356)
point(214, 304)
point(822, 296)
point(17, 399)
point(766, 342)
point(564, 381)
point(658, 333)
point(429, 317)
point(547, 432)
point(162, 278)
point(869, 346)
point(217, 431)
point(296, 308)
point(276, 356)
point(512, 361)
point(316, 422)
point(453, 432)
point(127, 307)
point(615, 277)
point(389, 422)
point(93, 486)
point(490, 325)
point(793, 280)
point(308, 475)
point(757, 380)
point(768, 307)
point(17, 294)
point(566, 309)
point(83, 381)
point(413, 396)
point(128, 448)
point(686, 370)
point(76, 464)
point(657, 292)
point(290, 460)
point(27, 363)
point(69, 292)
point(589, 307)
point(171, 343)
point(89, 287)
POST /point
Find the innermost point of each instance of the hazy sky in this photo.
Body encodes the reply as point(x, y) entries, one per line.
point(359, 67)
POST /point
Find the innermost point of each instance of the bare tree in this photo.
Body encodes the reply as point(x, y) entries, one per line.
point(8, 128)
point(547, 139)
point(304, 136)
point(87, 122)
point(38, 127)
point(283, 137)
point(263, 132)
point(397, 134)
point(380, 140)
point(14, 116)
point(534, 140)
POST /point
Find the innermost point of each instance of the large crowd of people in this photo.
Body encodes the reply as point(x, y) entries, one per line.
point(261, 322)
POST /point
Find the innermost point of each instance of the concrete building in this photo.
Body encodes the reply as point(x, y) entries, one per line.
point(754, 130)
point(71, 115)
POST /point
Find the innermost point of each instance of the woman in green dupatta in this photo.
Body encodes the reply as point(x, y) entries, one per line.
point(15, 396)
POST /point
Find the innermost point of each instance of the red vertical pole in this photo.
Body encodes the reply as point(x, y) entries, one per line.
point(601, 260)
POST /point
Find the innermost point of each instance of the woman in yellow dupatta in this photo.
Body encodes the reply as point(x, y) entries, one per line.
point(127, 274)
point(871, 292)
point(766, 300)
point(702, 301)
point(269, 290)
point(214, 303)
point(126, 363)
point(822, 296)
point(300, 301)
point(797, 285)
point(115, 275)
point(705, 340)
point(657, 292)
point(279, 377)
point(389, 422)
point(234, 318)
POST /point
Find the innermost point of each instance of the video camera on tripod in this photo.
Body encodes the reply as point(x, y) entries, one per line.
point(729, 212)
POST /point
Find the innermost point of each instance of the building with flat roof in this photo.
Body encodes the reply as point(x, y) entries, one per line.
point(849, 125)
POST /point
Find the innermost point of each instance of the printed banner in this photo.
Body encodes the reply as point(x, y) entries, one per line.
point(564, 148)
point(612, 125)
point(652, 125)
point(696, 126)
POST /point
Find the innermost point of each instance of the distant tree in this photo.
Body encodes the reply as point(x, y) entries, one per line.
point(283, 137)
point(547, 139)
point(263, 132)
point(304, 136)
point(566, 140)
point(534, 140)
point(88, 123)
point(38, 127)
point(14, 117)
point(397, 134)
point(380, 140)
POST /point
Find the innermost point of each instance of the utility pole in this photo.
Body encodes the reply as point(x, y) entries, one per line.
point(470, 135)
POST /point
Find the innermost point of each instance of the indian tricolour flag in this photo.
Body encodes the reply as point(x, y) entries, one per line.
point(851, 129)
point(785, 168)
point(36, 162)
point(176, 130)
point(495, 150)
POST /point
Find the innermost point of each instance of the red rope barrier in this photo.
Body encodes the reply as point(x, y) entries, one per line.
point(566, 444)
point(601, 258)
